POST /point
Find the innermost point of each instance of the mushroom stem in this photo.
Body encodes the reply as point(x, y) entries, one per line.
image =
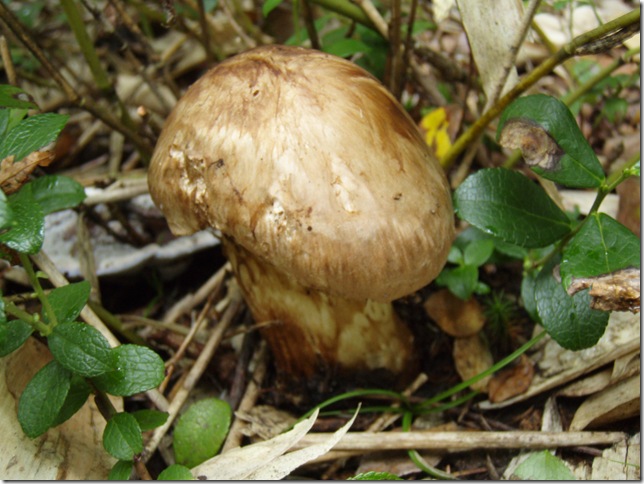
point(316, 333)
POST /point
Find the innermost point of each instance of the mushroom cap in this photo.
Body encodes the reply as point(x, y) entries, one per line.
point(307, 161)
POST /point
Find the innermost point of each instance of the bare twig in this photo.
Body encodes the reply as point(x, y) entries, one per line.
point(7, 62)
point(460, 441)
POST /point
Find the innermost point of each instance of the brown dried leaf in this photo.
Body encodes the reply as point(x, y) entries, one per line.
point(618, 291)
point(456, 317)
point(537, 146)
point(471, 357)
point(14, 175)
point(511, 381)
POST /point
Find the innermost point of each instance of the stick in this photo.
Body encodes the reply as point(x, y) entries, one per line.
point(462, 440)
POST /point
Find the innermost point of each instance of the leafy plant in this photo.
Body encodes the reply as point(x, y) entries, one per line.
point(511, 207)
point(83, 360)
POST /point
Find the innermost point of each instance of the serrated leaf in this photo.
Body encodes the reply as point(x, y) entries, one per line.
point(269, 6)
point(13, 334)
point(176, 472)
point(375, 476)
point(42, 399)
point(602, 245)
point(68, 301)
point(9, 98)
point(150, 419)
point(543, 466)
point(478, 252)
point(27, 230)
point(32, 134)
point(78, 393)
point(201, 431)
point(137, 369)
point(121, 471)
point(579, 166)
point(55, 192)
point(569, 320)
point(82, 349)
point(122, 436)
point(509, 206)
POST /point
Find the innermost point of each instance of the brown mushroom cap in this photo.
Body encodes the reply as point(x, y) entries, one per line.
point(307, 161)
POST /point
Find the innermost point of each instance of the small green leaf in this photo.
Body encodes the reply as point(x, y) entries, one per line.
point(176, 472)
point(55, 192)
point(579, 166)
point(569, 320)
point(602, 245)
point(122, 437)
point(269, 6)
point(201, 431)
point(346, 47)
point(13, 334)
point(121, 471)
point(42, 399)
point(478, 252)
point(543, 466)
point(137, 369)
point(508, 205)
point(78, 393)
point(150, 419)
point(82, 349)
point(6, 214)
point(455, 255)
point(9, 98)
point(461, 281)
point(68, 301)
point(27, 230)
point(528, 285)
point(32, 134)
point(375, 476)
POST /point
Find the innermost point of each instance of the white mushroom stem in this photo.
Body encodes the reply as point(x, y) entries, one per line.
point(315, 331)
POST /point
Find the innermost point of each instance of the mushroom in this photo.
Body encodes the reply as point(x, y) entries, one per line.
point(327, 200)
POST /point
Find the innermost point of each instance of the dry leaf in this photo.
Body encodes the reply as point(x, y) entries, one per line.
point(471, 357)
point(268, 460)
point(456, 317)
point(618, 291)
point(614, 403)
point(536, 145)
point(72, 450)
point(14, 175)
point(511, 381)
point(619, 462)
point(630, 202)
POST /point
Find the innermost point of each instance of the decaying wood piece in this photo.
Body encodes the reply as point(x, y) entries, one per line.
point(618, 291)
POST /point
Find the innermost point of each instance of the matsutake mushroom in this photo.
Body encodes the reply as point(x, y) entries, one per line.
point(327, 199)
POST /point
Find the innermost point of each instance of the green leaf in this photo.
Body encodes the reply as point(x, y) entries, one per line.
point(375, 476)
point(27, 230)
point(121, 471)
point(579, 166)
point(82, 349)
point(137, 369)
point(602, 245)
point(13, 334)
point(68, 301)
point(32, 134)
point(176, 472)
point(568, 319)
point(9, 98)
point(269, 6)
point(461, 281)
point(508, 205)
point(42, 399)
point(543, 466)
point(528, 287)
point(122, 437)
point(55, 192)
point(78, 393)
point(455, 255)
point(478, 252)
point(150, 419)
point(201, 431)
point(6, 215)
point(346, 47)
